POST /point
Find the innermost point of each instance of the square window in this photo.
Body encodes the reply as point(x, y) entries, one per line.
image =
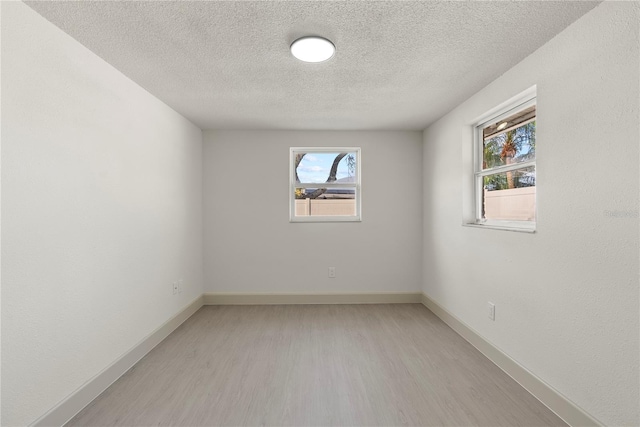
point(505, 167)
point(324, 184)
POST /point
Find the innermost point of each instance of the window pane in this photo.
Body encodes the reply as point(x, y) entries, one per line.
point(510, 195)
point(325, 201)
point(511, 140)
point(319, 167)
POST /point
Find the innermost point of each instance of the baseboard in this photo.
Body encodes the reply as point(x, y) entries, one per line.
point(554, 400)
point(76, 401)
point(550, 397)
point(346, 298)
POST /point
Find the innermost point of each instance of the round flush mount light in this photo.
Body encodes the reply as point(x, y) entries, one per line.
point(312, 49)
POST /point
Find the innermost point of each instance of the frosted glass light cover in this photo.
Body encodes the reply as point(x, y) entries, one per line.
point(312, 49)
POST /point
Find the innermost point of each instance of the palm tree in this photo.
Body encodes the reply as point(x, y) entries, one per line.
point(509, 150)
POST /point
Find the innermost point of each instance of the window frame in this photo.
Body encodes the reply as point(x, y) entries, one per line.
point(293, 185)
point(523, 102)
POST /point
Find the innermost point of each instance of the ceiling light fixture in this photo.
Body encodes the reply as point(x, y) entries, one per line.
point(312, 49)
point(502, 125)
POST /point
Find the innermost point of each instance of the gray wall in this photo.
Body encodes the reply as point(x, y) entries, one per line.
point(101, 212)
point(566, 297)
point(250, 245)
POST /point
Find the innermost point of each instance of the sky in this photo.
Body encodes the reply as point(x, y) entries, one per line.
point(315, 167)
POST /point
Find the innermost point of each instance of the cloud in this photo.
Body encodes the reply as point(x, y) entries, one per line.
point(304, 168)
point(310, 158)
point(313, 173)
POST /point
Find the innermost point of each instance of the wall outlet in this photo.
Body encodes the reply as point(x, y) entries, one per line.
point(332, 272)
point(176, 287)
point(491, 312)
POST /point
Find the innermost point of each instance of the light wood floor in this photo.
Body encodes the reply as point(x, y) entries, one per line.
point(315, 365)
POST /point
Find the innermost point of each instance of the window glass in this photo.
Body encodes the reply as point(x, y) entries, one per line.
point(318, 167)
point(510, 195)
point(505, 172)
point(515, 144)
point(325, 184)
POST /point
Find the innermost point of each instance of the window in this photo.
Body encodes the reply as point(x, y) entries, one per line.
point(505, 167)
point(324, 184)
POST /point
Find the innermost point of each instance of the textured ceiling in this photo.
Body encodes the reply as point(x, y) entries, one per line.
point(227, 65)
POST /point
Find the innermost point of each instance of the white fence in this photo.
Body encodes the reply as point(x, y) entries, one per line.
point(325, 207)
point(512, 204)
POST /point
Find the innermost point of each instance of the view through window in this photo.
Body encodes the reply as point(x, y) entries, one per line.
point(506, 168)
point(325, 184)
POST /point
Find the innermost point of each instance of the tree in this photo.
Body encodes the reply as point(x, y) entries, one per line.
point(509, 147)
point(507, 154)
point(299, 157)
point(332, 176)
point(334, 167)
point(351, 164)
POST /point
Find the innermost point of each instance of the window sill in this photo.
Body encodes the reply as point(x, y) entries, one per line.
point(528, 228)
point(326, 219)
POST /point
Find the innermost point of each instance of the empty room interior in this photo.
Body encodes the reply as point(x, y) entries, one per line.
point(320, 213)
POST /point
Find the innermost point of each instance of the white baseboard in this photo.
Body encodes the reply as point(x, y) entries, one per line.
point(346, 298)
point(554, 400)
point(76, 401)
point(550, 397)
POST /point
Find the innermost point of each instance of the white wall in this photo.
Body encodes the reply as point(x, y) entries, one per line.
point(0, 223)
point(256, 251)
point(102, 210)
point(566, 297)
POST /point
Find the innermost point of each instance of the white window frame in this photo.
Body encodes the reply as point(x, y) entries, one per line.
point(293, 185)
point(525, 100)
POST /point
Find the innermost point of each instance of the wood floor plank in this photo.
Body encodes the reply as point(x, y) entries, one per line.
point(315, 365)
